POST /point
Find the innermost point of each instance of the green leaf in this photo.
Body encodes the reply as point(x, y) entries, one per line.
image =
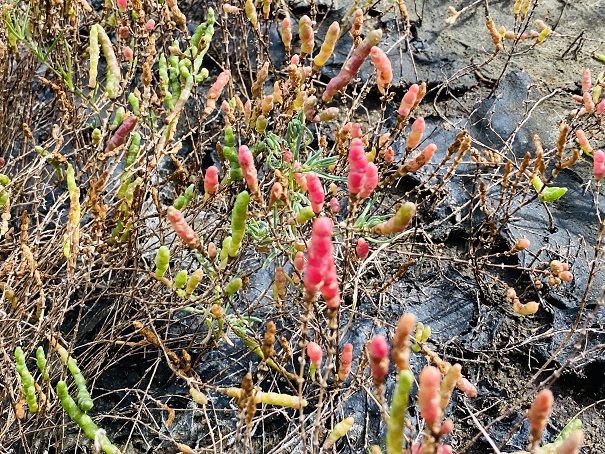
point(552, 194)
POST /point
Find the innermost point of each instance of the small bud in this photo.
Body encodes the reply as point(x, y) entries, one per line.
point(520, 245)
point(128, 53)
point(211, 250)
point(362, 249)
point(123, 32)
point(299, 261)
point(334, 205)
point(314, 353)
point(150, 25)
point(122, 5)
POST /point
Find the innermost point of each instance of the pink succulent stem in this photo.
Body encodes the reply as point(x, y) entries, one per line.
point(538, 415)
point(362, 249)
point(418, 128)
point(211, 180)
point(352, 65)
point(363, 175)
point(299, 261)
point(246, 162)
point(408, 101)
point(320, 274)
point(286, 34)
point(306, 34)
point(599, 164)
point(429, 399)
point(121, 134)
point(583, 141)
point(316, 192)
point(378, 349)
point(215, 91)
point(182, 229)
point(346, 358)
point(334, 205)
point(314, 353)
point(384, 70)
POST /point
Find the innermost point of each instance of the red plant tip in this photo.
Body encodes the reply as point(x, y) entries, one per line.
point(362, 249)
point(150, 25)
point(299, 261)
point(601, 107)
point(408, 101)
point(444, 449)
point(314, 353)
point(295, 60)
point(599, 164)
point(211, 250)
point(334, 205)
point(521, 245)
point(357, 166)
point(246, 162)
point(363, 175)
point(330, 289)
point(540, 410)
point(286, 33)
point(378, 349)
point(447, 427)
point(429, 399)
point(123, 32)
point(121, 134)
point(389, 155)
point(356, 131)
point(277, 191)
point(466, 387)
point(346, 358)
point(225, 107)
point(182, 229)
point(122, 5)
point(418, 128)
point(588, 102)
point(316, 192)
point(128, 53)
point(583, 141)
point(287, 155)
point(211, 180)
point(321, 271)
point(384, 71)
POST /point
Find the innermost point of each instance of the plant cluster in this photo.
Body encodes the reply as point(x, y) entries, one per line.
point(140, 222)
